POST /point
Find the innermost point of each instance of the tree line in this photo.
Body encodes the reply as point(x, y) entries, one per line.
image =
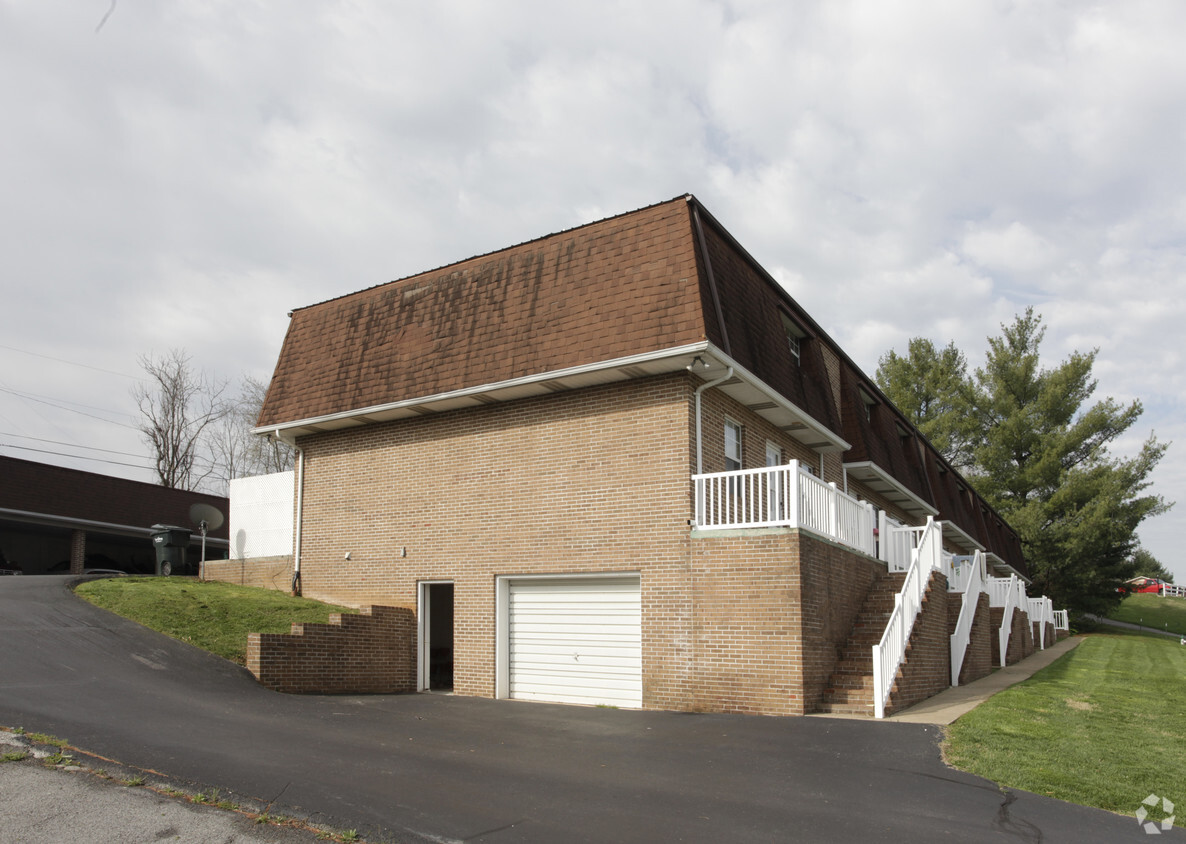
point(1036, 447)
point(198, 428)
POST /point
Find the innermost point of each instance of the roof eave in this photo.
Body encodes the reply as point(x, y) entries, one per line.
point(544, 383)
point(894, 491)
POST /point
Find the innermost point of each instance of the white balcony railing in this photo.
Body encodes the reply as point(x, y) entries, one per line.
point(782, 496)
point(896, 542)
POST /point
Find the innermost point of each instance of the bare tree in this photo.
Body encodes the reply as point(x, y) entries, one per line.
point(236, 451)
point(178, 407)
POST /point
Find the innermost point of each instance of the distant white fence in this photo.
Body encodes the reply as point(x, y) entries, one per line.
point(262, 516)
point(1171, 590)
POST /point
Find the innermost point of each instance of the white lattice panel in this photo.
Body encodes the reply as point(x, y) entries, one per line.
point(262, 516)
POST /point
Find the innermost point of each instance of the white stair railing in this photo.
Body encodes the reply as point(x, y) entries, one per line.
point(1012, 601)
point(1062, 620)
point(891, 650)
point(972, 575)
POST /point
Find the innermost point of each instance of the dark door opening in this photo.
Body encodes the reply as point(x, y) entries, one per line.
point(438, 630)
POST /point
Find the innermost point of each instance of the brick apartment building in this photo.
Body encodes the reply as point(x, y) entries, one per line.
point(525, 450)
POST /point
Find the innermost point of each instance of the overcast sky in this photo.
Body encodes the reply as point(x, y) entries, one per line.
point(183, 174)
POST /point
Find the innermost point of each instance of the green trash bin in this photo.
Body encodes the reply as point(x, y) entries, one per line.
point(170, 543)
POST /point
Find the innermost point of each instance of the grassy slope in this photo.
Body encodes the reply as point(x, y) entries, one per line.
point(1103, 726)
point(1153, 611)
point(213, 616)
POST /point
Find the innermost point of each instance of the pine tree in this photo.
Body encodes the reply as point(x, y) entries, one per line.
point(1041, 458)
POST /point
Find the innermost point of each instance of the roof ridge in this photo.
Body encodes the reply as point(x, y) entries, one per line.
point(686, 197)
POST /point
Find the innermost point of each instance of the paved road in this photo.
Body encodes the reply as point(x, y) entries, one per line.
point(441, 768)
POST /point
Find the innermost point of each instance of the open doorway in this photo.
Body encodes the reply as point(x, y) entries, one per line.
point(436, 637)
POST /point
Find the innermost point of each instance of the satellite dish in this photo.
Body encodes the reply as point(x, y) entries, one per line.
point(207, 513)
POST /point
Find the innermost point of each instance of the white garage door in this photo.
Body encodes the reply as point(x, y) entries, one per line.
point(576, 640)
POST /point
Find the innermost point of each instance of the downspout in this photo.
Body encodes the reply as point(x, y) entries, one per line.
point(300, 507)
point(699, 437)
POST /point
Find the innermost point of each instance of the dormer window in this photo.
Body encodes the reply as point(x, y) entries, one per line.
point(869, 403)
point(794, 335)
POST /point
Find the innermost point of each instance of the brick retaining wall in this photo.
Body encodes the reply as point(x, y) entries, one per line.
point(372, 652)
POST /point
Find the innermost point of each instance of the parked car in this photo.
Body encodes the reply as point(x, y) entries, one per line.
point(94, 564)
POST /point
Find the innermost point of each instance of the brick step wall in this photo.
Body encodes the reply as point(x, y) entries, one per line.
point(369, 653)
point(925, 669)
point(850, 688)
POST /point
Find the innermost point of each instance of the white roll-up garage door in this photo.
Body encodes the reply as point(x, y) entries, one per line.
point(576, 640)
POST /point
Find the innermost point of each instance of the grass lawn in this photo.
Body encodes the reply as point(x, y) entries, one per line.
point(1153, 611)
point(213, 616)
point(1103, 726)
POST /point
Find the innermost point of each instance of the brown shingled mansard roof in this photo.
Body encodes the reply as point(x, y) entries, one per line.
point(655, 290)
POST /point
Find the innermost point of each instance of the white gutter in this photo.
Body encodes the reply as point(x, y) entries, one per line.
point(300, 511)
point(699, 426)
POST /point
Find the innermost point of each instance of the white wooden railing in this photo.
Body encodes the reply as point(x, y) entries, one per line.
point(896, 542)
point(1172, 590)
point(1041, 610)
point(782, 496)
point(970, 577)
point(1062, 620)
point(890, 651)
point(1008, 593)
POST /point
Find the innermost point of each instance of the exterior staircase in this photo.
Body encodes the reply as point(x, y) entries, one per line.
point(850, 689)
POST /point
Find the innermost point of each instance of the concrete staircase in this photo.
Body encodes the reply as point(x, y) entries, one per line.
point(850, 689)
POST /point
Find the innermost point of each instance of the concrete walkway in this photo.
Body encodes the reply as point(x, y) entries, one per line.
point(949, 705)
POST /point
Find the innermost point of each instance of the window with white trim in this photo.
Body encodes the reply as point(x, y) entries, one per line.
point(732, 446)
point(794, 335)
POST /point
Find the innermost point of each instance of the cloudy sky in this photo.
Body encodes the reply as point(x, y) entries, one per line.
point(181, 175)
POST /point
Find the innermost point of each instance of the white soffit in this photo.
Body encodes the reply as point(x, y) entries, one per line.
point(884, 484)
point(960, 537)
point(704, 359)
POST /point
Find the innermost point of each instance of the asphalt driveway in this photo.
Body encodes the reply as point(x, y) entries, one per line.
point(443, 768)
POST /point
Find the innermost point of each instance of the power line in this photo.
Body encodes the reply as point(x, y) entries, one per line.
point(68, 445)
point(70, 362)
point(75, 456)
point(31, 397)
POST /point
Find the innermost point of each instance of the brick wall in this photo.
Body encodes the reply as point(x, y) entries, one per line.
point(835, 582)
point(747, 623)
point(926, 670)
point(1021, 637)
point(592, 480)
point(771, 611)
point(1036, 635)
point(369, 653)
point(264, 572)
point(595, 480)
point(1023, 632)
point(978, 658)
